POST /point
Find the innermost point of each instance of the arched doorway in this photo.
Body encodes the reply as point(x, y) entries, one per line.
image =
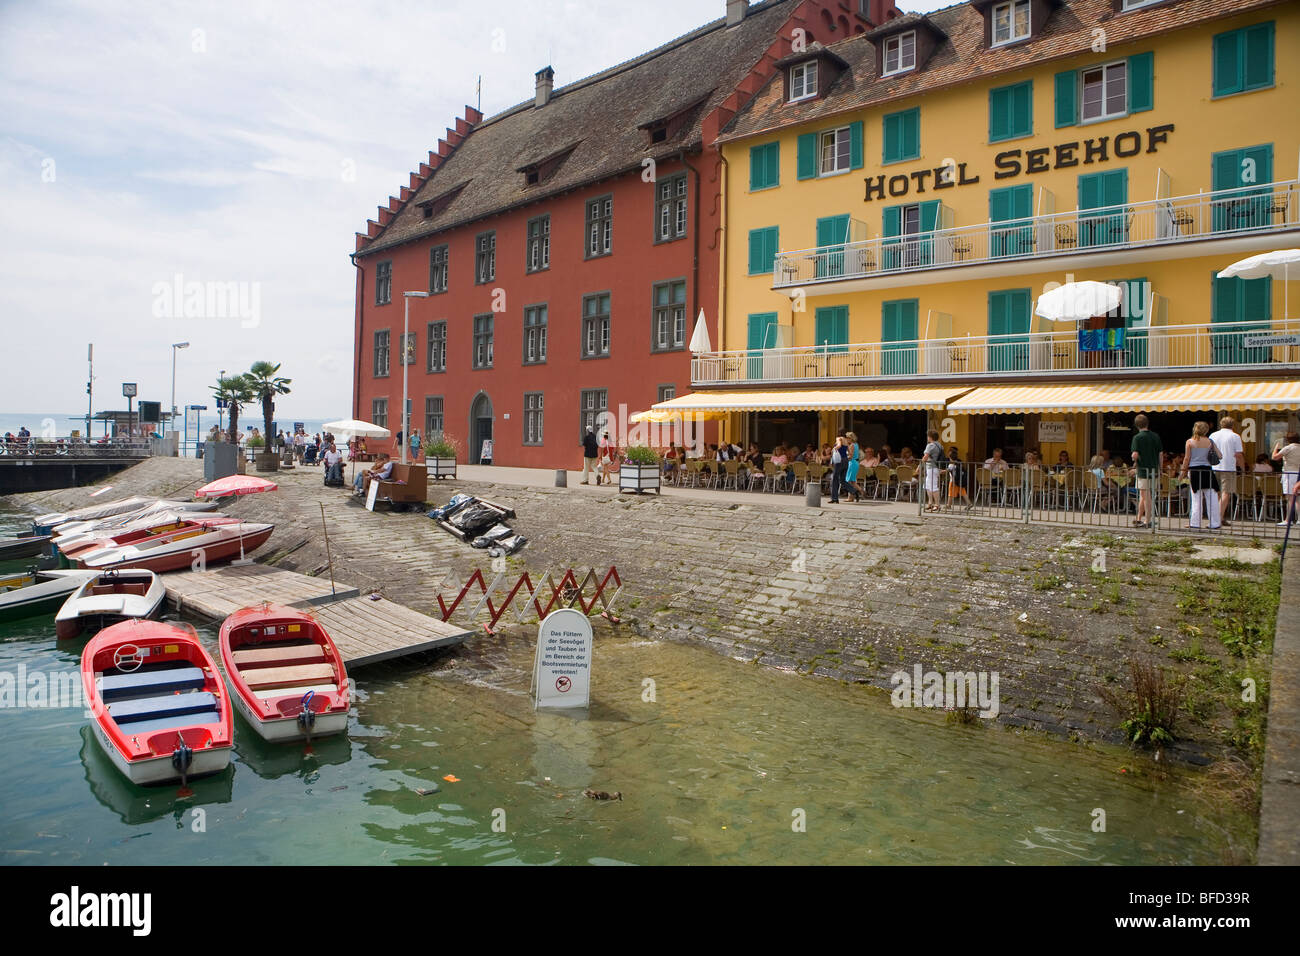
point(480, 429)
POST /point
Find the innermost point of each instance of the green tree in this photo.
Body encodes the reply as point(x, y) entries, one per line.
point(236, 391)
point(267, 384)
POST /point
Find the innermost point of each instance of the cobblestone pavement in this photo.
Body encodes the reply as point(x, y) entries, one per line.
point(852, 593)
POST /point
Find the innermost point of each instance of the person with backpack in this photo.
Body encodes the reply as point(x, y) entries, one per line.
point(590, 455)
point(839, 468)
point(932, 460)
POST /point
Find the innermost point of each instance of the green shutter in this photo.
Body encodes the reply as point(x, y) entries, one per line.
point(764, 166)
point(855, 145)
point(929, 215)
point(831, 328)
point(1011, 111)
point(889, 138)
point(1141, 82)
point(755, 251)
point(1022, 109)
point(1000, 205)
point(1227, 63)
point(807, 158)
point(912, 133)
point(999, 114)
point(773, 247)
point(902, 135)
point(1256, 300)
point(1257, 56)
point(893, 220)
point(1067, 99)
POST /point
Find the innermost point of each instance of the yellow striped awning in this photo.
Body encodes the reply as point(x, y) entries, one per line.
point(854, 399)
point(1170, 396)
point(667, 418)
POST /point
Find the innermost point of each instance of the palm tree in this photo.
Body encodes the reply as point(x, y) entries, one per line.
point(267, 385)
point(235, 391)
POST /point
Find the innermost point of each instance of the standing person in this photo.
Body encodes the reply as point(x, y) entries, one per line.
point(1196, 464)
point(415, 444)
point(1232, 459)
point(606, 458)
point(1148, 455)
point(839, 467)
point(851, 472)
point(1289, 455)
point(299, 446)
point(932, 460)
point(397, 443)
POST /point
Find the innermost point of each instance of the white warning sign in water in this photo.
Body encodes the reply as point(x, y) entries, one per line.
point(562, 672)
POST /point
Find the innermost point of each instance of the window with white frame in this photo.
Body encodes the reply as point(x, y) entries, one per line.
point(438, 346)
point(433, 421)
point(381, 353)
point(485, 257)
point(669, 318)
point(595, 325)
point(539, 244)
point(482, 341)
point(438, 269)
point(900, 53)
point(379, 412)
point(666, 392)
point(835, 151)
point(594, 402)
point(670, 208)
point(384, 282)
point(532, 418)
point(535, 334)
point(1135, 4)
point(1010, 21)
point(1105, 91)
point(803, 81)
point(600, 226)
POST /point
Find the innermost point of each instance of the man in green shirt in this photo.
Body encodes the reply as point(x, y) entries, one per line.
point(1148, 458)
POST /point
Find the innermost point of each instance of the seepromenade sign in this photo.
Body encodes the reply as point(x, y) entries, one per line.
point(562, 669)
point(1268, 341)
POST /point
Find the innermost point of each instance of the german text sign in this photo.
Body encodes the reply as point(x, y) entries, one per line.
point(563, 665)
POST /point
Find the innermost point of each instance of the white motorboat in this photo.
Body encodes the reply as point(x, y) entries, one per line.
point(206, 541)
point(107, 598)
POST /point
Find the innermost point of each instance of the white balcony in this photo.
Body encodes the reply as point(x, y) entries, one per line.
point(1143, 352)
point(1182, 226)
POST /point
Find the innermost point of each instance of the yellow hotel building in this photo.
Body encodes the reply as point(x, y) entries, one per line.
point(895, 203)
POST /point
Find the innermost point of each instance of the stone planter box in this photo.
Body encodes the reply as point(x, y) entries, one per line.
point(441, 467)
point(640, 478)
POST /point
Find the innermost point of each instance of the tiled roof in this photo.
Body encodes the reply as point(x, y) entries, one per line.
point(963, 57)
point(603, 113)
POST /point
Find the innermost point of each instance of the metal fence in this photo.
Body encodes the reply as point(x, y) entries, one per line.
point(1102, 498)
point(73, 448)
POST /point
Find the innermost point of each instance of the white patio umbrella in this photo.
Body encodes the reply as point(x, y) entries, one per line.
point(700, 338)
point(1275, 265)
point(1078, 301)
point(351, 428)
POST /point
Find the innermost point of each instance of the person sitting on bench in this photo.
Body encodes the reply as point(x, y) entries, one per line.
point(333, 465)
point(381, 472)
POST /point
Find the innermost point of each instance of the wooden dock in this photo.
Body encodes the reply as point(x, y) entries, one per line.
point(365, 631)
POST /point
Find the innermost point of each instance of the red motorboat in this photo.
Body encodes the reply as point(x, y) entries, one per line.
point(288, 677)
point(209, 541)
point(154, 528)
point(159, 708)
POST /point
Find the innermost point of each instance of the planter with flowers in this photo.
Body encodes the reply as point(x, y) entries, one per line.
point(640, 471)
point(440, 454)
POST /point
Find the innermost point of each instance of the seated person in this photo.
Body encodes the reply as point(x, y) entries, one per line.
point(1108, 493)
point(382, 471)
point(1063, 462)
point(333, 460)
point(869, 458)
point(1262, 465)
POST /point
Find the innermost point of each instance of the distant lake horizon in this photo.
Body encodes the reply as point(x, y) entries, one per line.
point(64, 424)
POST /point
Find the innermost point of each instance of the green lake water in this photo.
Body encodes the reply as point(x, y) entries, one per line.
point(718, 769)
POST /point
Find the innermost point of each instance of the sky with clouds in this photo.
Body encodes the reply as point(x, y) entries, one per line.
point(233, 149)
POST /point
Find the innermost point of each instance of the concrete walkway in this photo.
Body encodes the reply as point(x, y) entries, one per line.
point(1279, 813)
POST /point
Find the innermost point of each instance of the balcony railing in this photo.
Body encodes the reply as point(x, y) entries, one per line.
point(1272, 207)
point(1242, 345)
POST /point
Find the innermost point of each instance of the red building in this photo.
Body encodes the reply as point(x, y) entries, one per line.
point(566, 245)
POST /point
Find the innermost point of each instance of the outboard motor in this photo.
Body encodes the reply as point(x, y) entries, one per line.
point(182, 760)
point(307, 718)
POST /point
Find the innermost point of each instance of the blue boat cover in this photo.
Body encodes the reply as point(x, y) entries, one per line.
point(147, 708)
point(146, 682)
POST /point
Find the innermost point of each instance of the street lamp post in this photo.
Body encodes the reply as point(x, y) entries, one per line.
point(221, 412)
point(406, 326)
point(175, 346)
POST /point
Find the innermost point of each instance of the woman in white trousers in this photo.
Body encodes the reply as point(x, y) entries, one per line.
point(1204, 487)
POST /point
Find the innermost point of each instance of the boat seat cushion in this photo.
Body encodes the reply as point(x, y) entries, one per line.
point(174, 722)
point(144, 682)
point(168, 705)
point(278, 654)
point(263, 677)
point(140, 589)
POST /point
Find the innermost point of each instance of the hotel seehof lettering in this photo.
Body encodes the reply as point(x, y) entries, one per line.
point(1011, 163)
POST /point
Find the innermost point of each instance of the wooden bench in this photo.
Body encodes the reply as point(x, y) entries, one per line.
point(266, 677)
point(277, 655)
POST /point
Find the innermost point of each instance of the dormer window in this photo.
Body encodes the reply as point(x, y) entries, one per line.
point(532, 177)
point(900, 53)
point(803, 81)
point(1135, 4)
point(1010, 22)
point(659, 134)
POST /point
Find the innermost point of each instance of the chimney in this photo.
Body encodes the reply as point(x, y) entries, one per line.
point(736, 10)
point(545, 83)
